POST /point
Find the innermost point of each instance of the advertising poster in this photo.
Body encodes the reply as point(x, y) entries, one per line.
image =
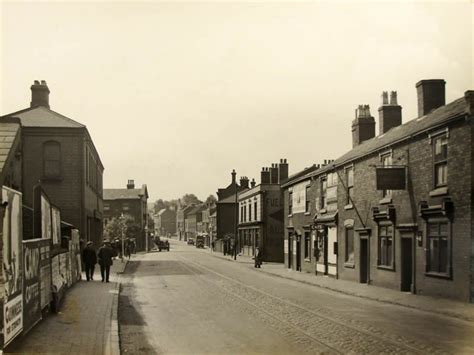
point(56, 225)
point(12, 264)
point(56, 277)
point(63, 267)
point(45, 274)
point(45, 217)
point(31, 283)
point(75, 250)
point(299, 197)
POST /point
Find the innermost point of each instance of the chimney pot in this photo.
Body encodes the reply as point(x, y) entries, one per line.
point(384, 98)
point(390, 115)
point(431, 95)
point(363, 126)
point(39, 94)
point(130, 184)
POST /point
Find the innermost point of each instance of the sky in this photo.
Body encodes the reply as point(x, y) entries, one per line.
point(177, 94)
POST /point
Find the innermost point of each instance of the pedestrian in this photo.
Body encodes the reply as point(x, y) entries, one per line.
point(128, 249)
point(105, 260)
point(258, 257)
point(89, 258)
point(213, 244)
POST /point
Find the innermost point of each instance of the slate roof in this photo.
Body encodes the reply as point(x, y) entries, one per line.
point(44, 117)
point(124, 194)
point(9, 133)
point(437, 117)
point(299, 176)
point(197, 209)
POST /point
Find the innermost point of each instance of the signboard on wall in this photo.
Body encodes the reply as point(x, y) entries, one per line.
point(56, 225)
point(12, 264)
point(46, 227)
point(31, 283)
point(299, 197)
point(45, 274)
point(391, 178)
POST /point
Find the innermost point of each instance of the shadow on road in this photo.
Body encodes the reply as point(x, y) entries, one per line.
point(157, 268)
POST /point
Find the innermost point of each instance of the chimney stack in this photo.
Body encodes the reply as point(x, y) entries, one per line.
point(131, 184)
point(282, 171)
point(274, 174)
point(233, 176)
point(244, 182)
point(390, 114)
point(431, 95)
point(39, 94)
point(265, 176)
point(363, 126)
point(252, 183)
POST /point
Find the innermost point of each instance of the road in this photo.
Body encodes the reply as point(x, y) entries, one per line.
point(187, 301)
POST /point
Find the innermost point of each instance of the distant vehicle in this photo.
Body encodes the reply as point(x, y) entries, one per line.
point(200, 241)
point(190, 241)
point(163, 245)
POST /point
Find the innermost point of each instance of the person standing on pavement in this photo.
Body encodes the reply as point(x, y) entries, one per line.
point(258, 257)
point(89, 257)
point(106, 254)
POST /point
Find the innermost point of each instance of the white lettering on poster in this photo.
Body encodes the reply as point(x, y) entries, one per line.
point(13, 318)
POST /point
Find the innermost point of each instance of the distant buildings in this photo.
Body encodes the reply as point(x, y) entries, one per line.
point(128, 201)
point(165, 222)
point(59, 153)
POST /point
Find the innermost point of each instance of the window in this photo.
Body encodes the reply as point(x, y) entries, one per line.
point(324, 187)
point(438, 247)
point(241, 213)
point(255, 210)
point(308, 202)
point(349, 185)
point(250, 212)
point(307, 245)
point(386, 160)
point(385, 245)
point(125, 206)
point(349, 253)
point(245, 213)
point(290, 202)
point(51, 159)
point(440, 154)
point(106, 207)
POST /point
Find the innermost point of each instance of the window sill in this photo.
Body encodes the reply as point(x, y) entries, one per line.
point(438, 275)
point(386, 267)
point(440, 191)
point(385, 200)
point(349, 265)
point(322, 211)
point(349, 206)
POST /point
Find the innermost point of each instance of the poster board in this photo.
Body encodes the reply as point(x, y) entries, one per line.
point(56, 225)
point(12, 265)
point(45, 274)
point(46, 224)
point(31, 283)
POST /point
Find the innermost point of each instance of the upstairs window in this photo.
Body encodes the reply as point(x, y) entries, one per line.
point(250, 212)
point(307, 202)
point(349, 185)
point(324, 188)
point(386, 161)
point(290, 202)
point(255, 210)
point(51, 159)
point(440, 161)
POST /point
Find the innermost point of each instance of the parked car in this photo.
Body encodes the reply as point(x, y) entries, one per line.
point(190, 241)
point(163, 245)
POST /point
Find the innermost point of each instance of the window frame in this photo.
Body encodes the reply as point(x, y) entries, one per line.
point(307, 245)
point(448, 236)
point(290, 203)
point(349, 185)
point(347, 261)
point(307, 207)
point(58, 161)
point(386, 194)
point(380, 252)
point(323, 193)
point(440, 161)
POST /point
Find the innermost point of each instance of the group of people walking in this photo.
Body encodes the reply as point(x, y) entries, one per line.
point(104, 256)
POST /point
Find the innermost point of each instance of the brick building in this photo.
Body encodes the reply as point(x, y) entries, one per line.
point(401, 203)
point(181, 215)
point(165, 222)
point(59, 153)
point(129, 201)
point(193, 221)
point(261, 214)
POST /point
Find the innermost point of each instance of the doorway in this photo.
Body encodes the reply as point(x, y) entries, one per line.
point(298, 253)
point(407, 264)
point(364, 262)
point(290, 251)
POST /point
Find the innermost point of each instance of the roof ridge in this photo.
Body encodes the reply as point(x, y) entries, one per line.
point(62, 116)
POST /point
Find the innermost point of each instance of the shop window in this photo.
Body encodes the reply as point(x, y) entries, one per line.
point(51, 159)
point(349, 252)
point(307, 245)
point(385, 246)
point(440, 161)
point(290, 203)
point(438, 247)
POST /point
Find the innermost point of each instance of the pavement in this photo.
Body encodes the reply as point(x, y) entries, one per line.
point(446, 307)
point(86, 323)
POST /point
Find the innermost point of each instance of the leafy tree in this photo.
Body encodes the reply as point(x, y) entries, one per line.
point(160, 204)
point(189, 199)
point(211, 200)
point(116, 225)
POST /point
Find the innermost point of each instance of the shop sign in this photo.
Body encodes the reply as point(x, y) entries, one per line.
point(31, 283)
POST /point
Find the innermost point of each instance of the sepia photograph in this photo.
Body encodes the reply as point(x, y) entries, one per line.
point(246, 177)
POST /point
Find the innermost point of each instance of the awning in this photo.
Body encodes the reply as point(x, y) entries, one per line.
point(326, 218)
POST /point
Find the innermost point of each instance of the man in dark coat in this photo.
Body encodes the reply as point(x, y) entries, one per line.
point(89, 257)
point(105, 254)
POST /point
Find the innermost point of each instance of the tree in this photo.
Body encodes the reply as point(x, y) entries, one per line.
point(189, 199)
point(116, 225)
point(211, 200)
point(160, 204)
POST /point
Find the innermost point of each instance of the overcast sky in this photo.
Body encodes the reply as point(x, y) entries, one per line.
point(177, 94)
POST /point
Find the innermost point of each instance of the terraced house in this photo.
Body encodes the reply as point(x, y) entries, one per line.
point(404, 205)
